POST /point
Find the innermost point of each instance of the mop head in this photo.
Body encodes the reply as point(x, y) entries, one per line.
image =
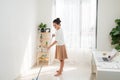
point(35, 79)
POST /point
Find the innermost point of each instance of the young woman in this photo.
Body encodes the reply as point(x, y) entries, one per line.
point(60, 52)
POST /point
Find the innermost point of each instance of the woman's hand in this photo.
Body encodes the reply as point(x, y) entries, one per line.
point(53, 35)
point(51, 45)
point(48, 47)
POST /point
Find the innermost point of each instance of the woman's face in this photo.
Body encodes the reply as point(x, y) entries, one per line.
point(56, 26)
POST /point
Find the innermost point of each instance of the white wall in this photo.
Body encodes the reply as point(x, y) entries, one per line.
point(108, 11)
point(18, 24)
point(17, 35)
point(44, 8)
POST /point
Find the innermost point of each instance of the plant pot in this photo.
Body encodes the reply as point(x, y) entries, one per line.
point(47, 30)
point(42, 30)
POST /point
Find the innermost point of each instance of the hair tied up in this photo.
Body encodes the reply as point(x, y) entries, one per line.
point(57, 21)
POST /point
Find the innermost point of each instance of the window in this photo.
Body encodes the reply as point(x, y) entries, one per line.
point(78, 22)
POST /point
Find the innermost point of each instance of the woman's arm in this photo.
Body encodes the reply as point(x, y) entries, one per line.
point(52, 44)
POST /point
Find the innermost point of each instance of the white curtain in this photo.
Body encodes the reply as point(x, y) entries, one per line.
point(78, 23)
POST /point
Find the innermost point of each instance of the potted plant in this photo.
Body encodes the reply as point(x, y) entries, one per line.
point(42, 27)
point(115, 35)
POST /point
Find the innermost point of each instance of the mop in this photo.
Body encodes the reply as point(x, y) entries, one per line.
point(37, 78)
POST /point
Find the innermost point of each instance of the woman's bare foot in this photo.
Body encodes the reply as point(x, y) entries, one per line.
point(58, 74)
point(59, 70)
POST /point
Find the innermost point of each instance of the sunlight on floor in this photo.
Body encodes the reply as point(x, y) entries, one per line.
point(46, 69)
point(71, 72)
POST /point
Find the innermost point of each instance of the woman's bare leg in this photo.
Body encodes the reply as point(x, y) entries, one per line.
point(59, 72)
point(61, 65)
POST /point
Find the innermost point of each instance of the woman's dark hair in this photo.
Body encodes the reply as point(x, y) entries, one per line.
point(57, 21)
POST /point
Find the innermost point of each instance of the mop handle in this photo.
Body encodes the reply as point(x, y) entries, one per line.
point(39, 71)
point(42, 64)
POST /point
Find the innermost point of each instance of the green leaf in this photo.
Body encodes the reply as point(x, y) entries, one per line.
point(42, 25)
point(116, 33)
point(118, 28)
point(117, 47)
point(113, 31)
point(117, 21)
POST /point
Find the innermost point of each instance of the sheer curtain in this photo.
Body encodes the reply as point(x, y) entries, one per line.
point(78, 23)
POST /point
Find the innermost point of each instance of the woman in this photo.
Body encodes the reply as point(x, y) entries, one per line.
point(60, 53)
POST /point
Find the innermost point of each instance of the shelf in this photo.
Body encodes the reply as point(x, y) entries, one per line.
point(43, 42)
